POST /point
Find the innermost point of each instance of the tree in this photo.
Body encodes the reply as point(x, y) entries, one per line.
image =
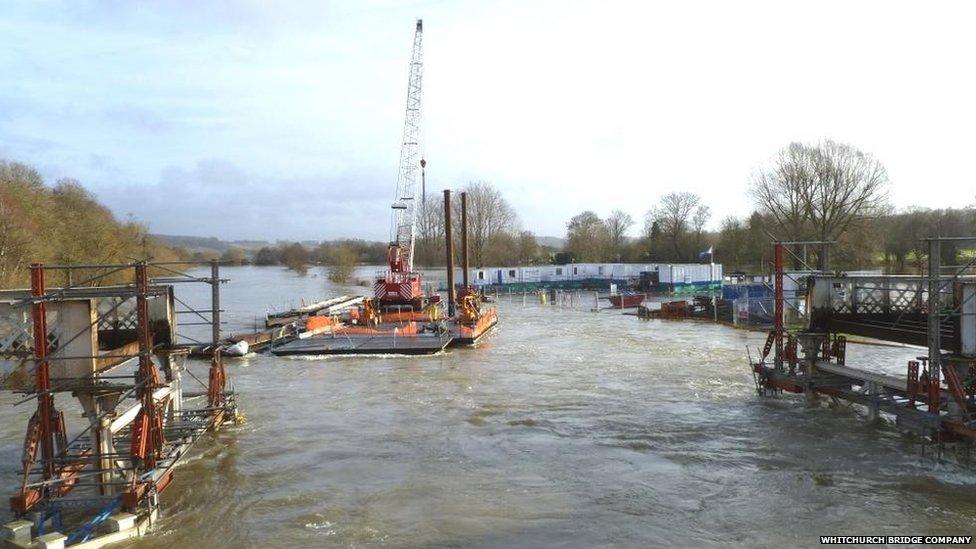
point(489, 217)
point(87, 230)
point(429, 248)
point(587, 237)
point(778, 191)
point(618, 224)
point(373, 253)
point(342, 262)
point(23, 223)
point(268, 256)
point(900, 237)
point(732, 242)
point(759, 248)
point(234, 256)
point(205, 255)
point(674, 215)
point(821, 190)
point(295, 257)
point(698, 220)
point(526, 248)
point(64, 224)
point(652, 237)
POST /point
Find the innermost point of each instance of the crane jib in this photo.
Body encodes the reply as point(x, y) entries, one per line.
point(401, 284)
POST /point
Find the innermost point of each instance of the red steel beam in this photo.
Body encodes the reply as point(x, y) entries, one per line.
point(151, 427)
point(778, 305)
point(47, 425)
point(217, 382)
point(42, 373)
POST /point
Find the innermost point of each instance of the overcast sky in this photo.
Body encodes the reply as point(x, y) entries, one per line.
point(282, 120)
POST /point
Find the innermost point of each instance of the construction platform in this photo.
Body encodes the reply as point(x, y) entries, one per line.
point(378, 344)
point(878, 393)
point(325, 307)
point(469, 333)
point(936, 398)
point(249, 342)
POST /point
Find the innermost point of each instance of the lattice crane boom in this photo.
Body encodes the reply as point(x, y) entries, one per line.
point(403, 227)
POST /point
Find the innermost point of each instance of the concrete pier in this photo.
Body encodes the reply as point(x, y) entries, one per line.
point(16, 533)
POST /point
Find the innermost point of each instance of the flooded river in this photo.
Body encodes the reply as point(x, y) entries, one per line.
point(566, 428)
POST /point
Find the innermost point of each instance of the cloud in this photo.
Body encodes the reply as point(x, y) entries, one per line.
point(140, 119)
point(283, 119)
point(218, 198)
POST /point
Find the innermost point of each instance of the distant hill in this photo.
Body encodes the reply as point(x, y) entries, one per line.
point(193, 243)
point(248, 244)
point(214, 244)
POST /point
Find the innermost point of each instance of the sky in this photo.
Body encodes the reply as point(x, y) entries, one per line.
point(283, 120)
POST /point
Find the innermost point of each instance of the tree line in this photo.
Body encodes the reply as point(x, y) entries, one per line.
point(673, 231)
point(61, 224)
point(829, 194)
point(824, 192)
point(833, 193)
point(341, 256)
point(495, 237)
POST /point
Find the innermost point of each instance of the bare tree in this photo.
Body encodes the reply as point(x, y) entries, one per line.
point(820, 189)
point(779, 190)
point(698, 220)
point(617, 225)
point(848, 184)
point(489, 216)
point(430, 232)
point(673, 215)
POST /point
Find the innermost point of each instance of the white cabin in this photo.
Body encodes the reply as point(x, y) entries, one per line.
point(669, 274)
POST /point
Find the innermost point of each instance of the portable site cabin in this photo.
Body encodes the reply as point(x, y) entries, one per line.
point(668, 276)
point(690, 276)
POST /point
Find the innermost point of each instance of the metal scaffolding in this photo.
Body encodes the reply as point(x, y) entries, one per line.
point(117, 350)
point(937, 310)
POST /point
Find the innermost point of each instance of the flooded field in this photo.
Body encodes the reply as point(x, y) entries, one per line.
point(565, 428)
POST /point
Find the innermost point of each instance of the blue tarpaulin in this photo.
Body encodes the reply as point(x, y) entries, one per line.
point(738, 291)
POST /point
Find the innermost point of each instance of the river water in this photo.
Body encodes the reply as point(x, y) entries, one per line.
point(566, 428)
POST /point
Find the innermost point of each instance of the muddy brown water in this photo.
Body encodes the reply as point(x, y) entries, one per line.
point(566, 428)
